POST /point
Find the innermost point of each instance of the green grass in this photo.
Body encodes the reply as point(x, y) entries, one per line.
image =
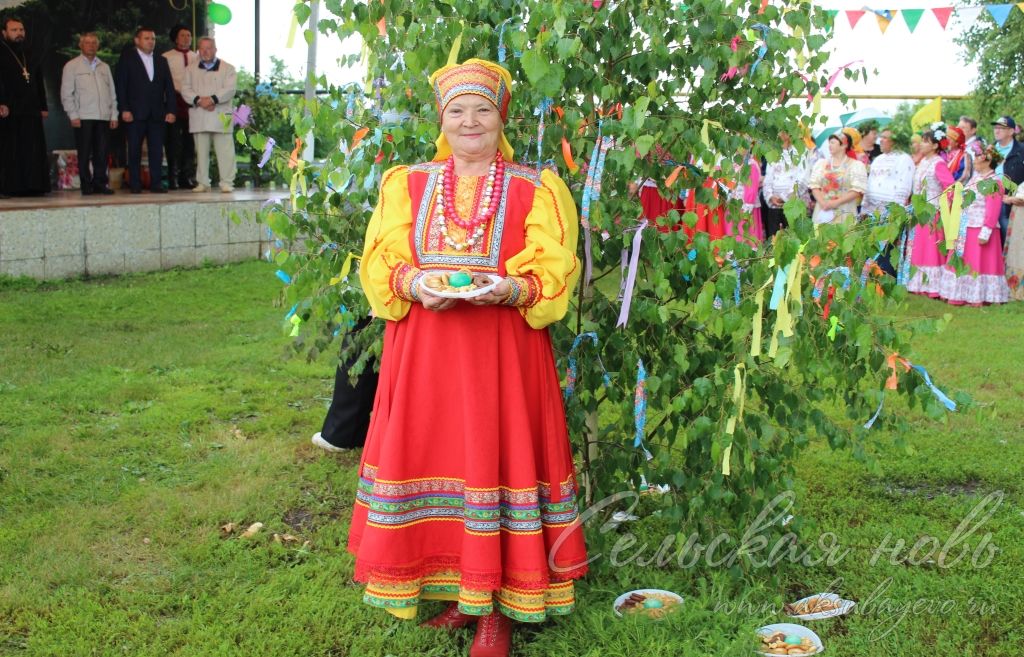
point(138, 414)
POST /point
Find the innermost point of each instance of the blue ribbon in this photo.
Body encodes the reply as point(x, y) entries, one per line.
point(571, 374)
point(941, 396)
point(285, 278)
point(878, 411)
point(640, 405)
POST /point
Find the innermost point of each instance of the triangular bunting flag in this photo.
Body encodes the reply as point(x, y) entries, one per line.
point(884, 18)
point(832, 13)
point(854, 15)
point(999, 13)
point(912, 17)
point(943, 14)
point(1020, 5)
point(969, 15)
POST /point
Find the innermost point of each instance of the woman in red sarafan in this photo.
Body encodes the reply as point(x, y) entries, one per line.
point(467, 491)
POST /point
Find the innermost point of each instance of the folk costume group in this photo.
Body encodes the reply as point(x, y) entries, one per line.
point(467, 491)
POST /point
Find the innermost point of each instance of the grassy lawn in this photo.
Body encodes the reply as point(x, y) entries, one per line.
point(139, 414)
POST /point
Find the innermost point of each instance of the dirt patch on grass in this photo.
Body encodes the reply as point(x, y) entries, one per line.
point(928, 491)
point(300, 519)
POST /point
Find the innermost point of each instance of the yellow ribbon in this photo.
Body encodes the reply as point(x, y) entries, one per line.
point(816, 104)
point(453, 55)
point(298, 182)
point(784, 315)
point(738, 395)
point(291, 31)
point(755, 340)
point(950, 212)
point(705, 138)
point(346, 267)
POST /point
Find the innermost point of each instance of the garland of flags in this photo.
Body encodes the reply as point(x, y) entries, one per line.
point(1000, 13)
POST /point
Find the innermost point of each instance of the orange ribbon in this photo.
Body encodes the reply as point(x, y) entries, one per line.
point(672, 176)
point(358, 137)
point(293, 159)
point(567, 156)
point(894, 378)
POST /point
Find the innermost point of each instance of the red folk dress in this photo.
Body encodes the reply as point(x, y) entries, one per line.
point(467, 489)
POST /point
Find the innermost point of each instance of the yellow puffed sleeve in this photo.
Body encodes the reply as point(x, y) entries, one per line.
point(545, 272)
point(385, 270)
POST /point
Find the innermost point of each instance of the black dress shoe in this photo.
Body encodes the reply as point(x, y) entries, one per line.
point(136, 191)
point(172, 187)
point(106, 191)
point(158, 190)
point(86, 192)
point(186, 184)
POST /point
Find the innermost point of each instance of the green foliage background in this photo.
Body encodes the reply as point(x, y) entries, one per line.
point(998, 53)
point(662, 62)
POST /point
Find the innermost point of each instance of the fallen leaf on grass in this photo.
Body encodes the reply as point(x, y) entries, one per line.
point(285, 538)
point(229, 528)
point(253, 529)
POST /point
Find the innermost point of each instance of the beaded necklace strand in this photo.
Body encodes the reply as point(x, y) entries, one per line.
point(475, 227)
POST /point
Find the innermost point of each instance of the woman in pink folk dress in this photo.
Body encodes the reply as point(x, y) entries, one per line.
point(978, 245)
point(931, 178)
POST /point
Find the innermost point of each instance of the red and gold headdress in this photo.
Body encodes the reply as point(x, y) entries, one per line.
point(474, 76)
point(478, 77)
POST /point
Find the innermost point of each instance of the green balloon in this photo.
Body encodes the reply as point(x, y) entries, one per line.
point(218, 14)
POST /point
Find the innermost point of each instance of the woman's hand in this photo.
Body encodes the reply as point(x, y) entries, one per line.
point(1013, 200)
point(431, 302)
point(494, 297)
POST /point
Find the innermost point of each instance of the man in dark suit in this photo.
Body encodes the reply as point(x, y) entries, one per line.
point(145, 98)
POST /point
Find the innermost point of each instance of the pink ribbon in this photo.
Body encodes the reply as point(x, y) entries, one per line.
point(835, 76)
point(634, 261)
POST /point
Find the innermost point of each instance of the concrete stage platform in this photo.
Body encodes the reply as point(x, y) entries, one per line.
point(65, 234)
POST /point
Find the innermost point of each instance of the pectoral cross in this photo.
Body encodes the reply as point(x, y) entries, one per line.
point(25, 74)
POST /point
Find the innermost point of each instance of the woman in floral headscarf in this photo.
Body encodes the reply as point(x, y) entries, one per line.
point(922, 251)
point(957, 158)
point(467, 491)
point(838, 183)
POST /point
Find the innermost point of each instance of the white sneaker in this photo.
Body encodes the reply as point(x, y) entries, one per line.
point(199, 189)
point(319, 441)
point(226, 189)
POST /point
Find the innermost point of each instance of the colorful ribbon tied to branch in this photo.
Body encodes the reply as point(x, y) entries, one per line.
point(738, 396)
point(640, 408)
point(542, 112)
point(346, 268)
point(950, 210)
point(634, 262)
point(572, 372)
point(591, 192)
point(268, 150)
point(762, 47)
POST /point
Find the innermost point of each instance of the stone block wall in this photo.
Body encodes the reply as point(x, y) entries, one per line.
point(116, 239)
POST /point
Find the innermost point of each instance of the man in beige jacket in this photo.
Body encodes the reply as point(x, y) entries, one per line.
point(209, 87)
point(87, 93)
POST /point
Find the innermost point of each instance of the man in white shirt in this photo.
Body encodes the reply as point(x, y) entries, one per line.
point(782, 179)
point(891, 178)
point(181, 154)
point(87, 93)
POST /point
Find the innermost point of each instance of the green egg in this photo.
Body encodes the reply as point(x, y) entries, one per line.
point(459, 279)
point(652, 603)
point(792, 640)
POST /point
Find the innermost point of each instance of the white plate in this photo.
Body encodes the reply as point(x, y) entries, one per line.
point(622, 598)
point(458, 295)
point(844, 607)
point(790, 628)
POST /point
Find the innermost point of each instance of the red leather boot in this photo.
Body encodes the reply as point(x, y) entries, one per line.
point(493, 636)
point(450, 619)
